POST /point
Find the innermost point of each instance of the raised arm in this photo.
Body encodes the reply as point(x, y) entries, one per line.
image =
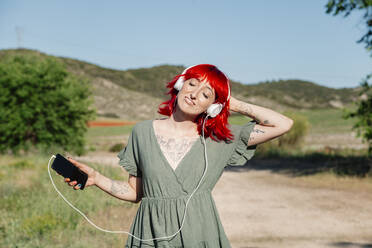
point(270, 125)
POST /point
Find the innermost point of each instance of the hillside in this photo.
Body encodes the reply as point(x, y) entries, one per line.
point(135, 94)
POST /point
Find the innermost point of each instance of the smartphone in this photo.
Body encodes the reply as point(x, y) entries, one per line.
point(66, 169)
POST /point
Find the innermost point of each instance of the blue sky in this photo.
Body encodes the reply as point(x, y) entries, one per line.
point(251, 41)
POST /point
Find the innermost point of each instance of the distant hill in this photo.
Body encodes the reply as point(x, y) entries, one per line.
point(135, 94)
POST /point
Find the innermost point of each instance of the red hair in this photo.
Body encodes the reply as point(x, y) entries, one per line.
point(215, 128)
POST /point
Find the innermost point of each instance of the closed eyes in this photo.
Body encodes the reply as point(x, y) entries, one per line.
point(203, 94)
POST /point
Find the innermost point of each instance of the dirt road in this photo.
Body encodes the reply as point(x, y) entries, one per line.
point(272, 210)
point(259, 208)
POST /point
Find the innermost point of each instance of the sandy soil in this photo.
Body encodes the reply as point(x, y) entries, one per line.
point(259, 208)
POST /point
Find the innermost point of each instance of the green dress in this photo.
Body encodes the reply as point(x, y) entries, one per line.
point(165, 190)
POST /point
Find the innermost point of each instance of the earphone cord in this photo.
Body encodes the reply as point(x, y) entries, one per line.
point(104, 230)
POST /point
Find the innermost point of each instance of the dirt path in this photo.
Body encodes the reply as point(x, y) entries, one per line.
point(268, 210)
point(264, 209)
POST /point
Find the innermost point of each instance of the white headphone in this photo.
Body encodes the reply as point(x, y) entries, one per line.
point(212, 110)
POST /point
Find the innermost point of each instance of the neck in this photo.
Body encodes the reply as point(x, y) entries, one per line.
point(179, 121)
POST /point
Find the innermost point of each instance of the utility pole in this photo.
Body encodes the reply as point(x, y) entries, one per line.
point(19, 32)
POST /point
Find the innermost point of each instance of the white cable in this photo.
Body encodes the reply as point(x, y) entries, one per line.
point(104, 230)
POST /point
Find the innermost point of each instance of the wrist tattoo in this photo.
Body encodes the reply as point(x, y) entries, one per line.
point(118, 187)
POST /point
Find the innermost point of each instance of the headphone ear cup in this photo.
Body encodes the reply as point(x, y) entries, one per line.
point(214, 109)
point(178, 85)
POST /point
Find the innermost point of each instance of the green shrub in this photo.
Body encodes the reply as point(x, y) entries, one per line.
point(42, 105)
point(295, 136)
point(289, 141)
point(117, 147)
point(109, 115)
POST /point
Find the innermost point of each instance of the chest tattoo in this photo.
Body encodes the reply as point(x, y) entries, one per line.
point(175, 149)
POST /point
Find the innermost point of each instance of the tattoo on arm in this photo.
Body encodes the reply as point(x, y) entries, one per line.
point(258, 131)
point(248, 110)
point(244, 108)
point(118, 187)
point(255, 131)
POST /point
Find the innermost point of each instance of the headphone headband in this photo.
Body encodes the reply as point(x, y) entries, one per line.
point(215, 108)
point(228, 84)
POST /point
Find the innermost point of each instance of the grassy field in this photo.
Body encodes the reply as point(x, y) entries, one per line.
point(325, 121)
point(33, 215)
point(322, 121)
point(95, 132)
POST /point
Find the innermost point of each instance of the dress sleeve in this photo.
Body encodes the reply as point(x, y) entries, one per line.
point(241, 152)
point(129, 156)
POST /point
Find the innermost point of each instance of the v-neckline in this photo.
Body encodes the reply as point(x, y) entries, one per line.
point(194, 145)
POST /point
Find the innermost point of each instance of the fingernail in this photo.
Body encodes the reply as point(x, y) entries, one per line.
point(79, 185)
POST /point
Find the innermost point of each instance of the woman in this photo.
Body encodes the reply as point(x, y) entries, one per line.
point(165, 160)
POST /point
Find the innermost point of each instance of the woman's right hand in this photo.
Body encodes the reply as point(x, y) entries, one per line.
point(85, 168)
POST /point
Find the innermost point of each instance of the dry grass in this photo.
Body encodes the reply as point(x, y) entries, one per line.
point(326, 180)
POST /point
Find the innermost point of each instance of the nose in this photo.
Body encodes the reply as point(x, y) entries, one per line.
point(196, 91)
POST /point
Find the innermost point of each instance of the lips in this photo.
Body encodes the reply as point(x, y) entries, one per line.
point(188, 101)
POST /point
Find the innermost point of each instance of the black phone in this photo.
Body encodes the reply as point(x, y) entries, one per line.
point(66, 169)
